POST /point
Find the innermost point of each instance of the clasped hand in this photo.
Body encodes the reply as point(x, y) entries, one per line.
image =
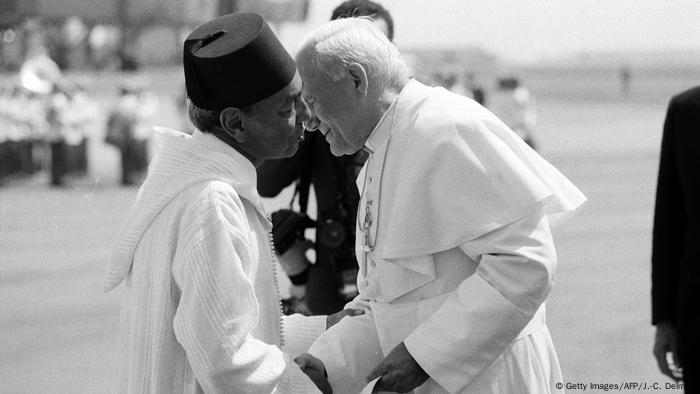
point(313, 367)
point(315, 370)
point(399, 372)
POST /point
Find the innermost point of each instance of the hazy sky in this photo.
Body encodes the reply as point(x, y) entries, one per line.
point(525, 30)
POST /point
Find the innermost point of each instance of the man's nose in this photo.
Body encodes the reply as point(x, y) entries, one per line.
point(303, 112)
point(312, 123)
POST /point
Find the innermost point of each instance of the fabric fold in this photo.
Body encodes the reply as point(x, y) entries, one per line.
point(508, 180)
point(168, 176)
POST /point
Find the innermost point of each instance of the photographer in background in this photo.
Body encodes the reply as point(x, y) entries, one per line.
point(325, 286)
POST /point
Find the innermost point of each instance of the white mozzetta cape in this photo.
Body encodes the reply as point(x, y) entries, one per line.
point(454, 172)
point(201, 309)
point(463, 257)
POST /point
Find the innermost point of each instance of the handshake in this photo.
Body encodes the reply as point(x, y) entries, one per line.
point(314, 369)
point(398, 372)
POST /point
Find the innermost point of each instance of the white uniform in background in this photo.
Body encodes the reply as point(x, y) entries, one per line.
point(516, 108)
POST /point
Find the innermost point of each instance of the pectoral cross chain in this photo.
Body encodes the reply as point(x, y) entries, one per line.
point(366, 243)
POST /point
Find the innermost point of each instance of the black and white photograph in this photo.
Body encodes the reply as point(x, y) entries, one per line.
point(349, 196)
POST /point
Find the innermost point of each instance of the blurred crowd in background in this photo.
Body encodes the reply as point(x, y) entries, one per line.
point(47, 116)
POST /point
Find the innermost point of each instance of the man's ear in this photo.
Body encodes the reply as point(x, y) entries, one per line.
point(231, 119)
point(358, 76)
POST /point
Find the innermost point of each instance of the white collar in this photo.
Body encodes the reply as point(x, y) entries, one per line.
point(382, 131)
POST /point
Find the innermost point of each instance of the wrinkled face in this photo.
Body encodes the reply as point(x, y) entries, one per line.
point(335, 111)
point(274, 128)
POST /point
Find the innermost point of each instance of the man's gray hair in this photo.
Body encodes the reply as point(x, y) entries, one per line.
point(206, 120)
point(336, 44)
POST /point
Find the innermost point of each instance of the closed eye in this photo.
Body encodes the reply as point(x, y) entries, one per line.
point(308, 100)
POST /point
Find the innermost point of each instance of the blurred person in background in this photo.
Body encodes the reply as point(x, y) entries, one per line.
point(325, 286)
point(201, 309)
point(67, 112)
point(23, 127)
point(475, 89)
point(514, 105)
point(129, 130)
point(71, 116)
point(448, 80)
point(466, 86)
point(675, 258)
point(454, 245)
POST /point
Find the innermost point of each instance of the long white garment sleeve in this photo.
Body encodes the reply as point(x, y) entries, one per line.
point(486, 335)
point(217, 312)
point(516, 266)
point(300, 332)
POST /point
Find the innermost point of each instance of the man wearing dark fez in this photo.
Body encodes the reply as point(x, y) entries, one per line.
point(201, 310)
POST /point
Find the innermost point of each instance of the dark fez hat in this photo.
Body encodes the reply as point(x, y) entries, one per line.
point(233, 61)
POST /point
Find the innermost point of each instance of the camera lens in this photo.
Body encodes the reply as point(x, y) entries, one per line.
point(331, 234)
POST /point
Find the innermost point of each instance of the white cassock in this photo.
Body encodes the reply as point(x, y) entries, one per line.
point(455, 251)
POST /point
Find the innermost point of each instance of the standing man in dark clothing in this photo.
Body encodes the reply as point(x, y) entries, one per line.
point(675, 254)
point(331, 281)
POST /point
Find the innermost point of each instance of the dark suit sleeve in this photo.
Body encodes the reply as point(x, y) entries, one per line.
point(669, 224)
point(275, 175)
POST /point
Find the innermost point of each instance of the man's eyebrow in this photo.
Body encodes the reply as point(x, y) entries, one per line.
point(291, 99)
point(304, 96)
point(307, 98)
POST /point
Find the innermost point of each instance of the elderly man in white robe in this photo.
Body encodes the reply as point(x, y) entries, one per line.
point(453, 236)
point(201, 310)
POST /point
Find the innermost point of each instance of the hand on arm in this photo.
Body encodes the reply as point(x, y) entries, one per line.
point(315, 370)
point(333, 319)
point(399, 372)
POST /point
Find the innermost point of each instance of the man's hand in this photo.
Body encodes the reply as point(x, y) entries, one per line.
point(315, 370)
point(399, 372)
point(666, 342)
point(333, 319)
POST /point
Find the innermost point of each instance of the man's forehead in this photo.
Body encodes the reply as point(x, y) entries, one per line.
point(295, 86)
point(312, 83)
point(306, 93)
